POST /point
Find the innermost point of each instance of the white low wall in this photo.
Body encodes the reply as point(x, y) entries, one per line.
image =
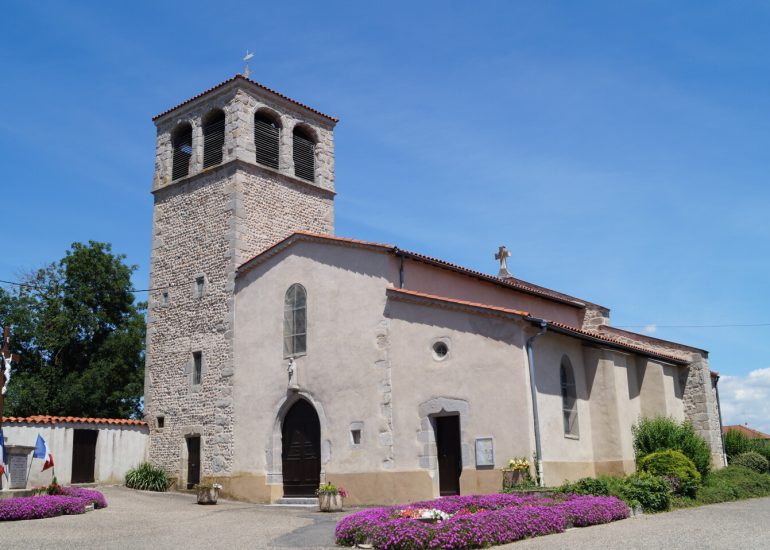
point(118, 448)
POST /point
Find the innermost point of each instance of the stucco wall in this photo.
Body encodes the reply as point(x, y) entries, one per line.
point(341, 374)
point(430, 279)
point(482, 379)
point(614, 390)
point(370, 364)
point(118, 449)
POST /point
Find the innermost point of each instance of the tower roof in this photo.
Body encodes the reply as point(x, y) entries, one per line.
point(253, 83)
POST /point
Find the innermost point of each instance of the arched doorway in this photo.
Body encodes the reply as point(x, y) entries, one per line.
point(301, 451)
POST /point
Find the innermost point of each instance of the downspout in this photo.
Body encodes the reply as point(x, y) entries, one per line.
point(721, 428)
point(401, 278)
point(533, 389)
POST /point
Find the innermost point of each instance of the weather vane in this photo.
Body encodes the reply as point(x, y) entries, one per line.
point(246, 60)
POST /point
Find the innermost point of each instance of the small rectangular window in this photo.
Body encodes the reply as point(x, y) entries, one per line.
point(164, 298)
point(355, 436)
point(200, 283)
point(161, 421)
point(197, 367)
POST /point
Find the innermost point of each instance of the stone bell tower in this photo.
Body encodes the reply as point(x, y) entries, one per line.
point(237, 168)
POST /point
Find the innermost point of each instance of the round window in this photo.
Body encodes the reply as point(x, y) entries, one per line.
point(440, 350)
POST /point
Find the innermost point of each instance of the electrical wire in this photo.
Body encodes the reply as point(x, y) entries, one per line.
point(38, 287)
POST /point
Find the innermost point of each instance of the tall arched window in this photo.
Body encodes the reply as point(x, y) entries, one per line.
point(266, 138)
point(295, 321)
point(304, 154)
point(569, 398)
point(213, 138)
point(181, 142)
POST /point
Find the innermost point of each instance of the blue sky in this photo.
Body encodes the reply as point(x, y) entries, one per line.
point(619, 149)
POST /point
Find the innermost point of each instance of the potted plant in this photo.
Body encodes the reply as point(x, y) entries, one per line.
point(330, 497)
point(208, 493)
point(516, 472)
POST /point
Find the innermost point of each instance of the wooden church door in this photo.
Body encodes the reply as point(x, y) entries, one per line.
point(450, 462)
point(301, 456)
point(193, 461)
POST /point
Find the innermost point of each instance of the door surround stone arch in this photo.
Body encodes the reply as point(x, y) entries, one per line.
point(274, 444)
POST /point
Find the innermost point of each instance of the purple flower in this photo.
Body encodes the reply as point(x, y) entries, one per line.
point(476, 521)
point(73, 501)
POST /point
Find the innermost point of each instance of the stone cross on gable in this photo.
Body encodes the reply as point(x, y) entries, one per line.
point(502, 255)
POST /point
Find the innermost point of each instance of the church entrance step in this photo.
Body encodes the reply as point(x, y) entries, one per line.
point(300, 502)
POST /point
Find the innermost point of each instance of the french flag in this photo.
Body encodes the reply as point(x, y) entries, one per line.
point(42, 452)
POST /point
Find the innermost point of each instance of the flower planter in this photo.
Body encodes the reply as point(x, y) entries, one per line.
point(330, 503)
point(512, 478)
point(428, 520)
point(208, 495)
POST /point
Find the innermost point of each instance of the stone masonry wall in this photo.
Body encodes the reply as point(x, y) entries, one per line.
point(207, 224)
point(190, 238)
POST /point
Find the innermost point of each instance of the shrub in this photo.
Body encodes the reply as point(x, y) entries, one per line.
point(663, 433)
point(753, 461)
point(678, 471)
point(650, 492)
point(147, 477)
point(762, 447)
point(733, 483)
point(586, 486)
point(736, 443)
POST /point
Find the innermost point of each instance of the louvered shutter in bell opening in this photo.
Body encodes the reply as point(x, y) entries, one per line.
point(266, 137)
point(304, 157)
point(213, 140)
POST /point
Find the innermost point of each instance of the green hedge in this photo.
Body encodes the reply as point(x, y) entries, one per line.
point(733, 483)
point(650, 492)
point(673, 466)
point(736, 443)
point(753, 461)
point(664, 433)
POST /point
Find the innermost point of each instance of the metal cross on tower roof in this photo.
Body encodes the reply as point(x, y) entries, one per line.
point(503, 255)
point(246, 58)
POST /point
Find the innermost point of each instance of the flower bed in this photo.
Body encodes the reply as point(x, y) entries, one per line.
point(475, 521)
point(73, 500)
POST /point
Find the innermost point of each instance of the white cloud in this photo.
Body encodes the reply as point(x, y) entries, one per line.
point(650, 329)
point(746, 399)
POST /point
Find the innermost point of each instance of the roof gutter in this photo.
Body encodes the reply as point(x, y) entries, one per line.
point(533, 389)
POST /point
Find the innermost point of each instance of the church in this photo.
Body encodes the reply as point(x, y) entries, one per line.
point(281, 356)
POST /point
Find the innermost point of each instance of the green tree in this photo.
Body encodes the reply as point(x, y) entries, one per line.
point(79, 335)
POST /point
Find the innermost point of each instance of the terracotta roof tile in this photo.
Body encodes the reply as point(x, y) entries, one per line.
point(562, 326)
point(511, 282)
point(47, 419)
point(745, 430)
point(444, 299)
point(620, 343)
point(515, 284)
point(257, 84)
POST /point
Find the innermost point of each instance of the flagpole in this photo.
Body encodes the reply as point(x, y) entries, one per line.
point(26, 481)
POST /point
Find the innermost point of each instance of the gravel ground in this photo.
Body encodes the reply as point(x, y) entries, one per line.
point(137, 520)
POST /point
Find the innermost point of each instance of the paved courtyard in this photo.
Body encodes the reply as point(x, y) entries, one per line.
point(139, 520)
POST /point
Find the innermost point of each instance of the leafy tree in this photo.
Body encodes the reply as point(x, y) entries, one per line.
point(79, 335)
